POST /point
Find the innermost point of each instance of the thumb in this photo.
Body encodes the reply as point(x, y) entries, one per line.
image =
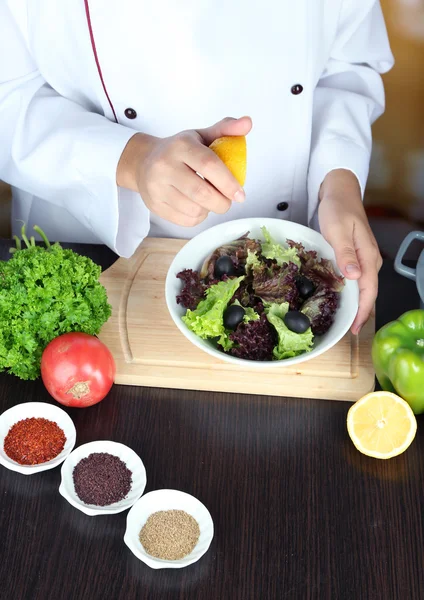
point(346, 257)
point(227, 126)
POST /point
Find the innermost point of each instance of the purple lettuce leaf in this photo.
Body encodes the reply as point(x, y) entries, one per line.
point(246, 295)
point(236, 250)
point(320, 272)
point(306, 256)
point(254, 340)
point(276, 284)
point(193, 290)
point(321, 309)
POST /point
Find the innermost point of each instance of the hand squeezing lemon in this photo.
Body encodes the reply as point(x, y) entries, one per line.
point(233, 153)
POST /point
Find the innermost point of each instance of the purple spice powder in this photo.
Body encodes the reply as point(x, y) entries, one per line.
point(101, 479)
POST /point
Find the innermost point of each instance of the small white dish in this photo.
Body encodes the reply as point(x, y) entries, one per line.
point(128, 456)
point(28, 410)
point(196, 250)
point(159, 500)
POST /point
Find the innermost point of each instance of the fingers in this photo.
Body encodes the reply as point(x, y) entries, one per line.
point(339, 233)
point(343, 245)
point(184, 205)
point(204, 161)
point(200, 191)
point(358, 258)
point(368, 290)
point(174, 215)
point(370, 262)
point(168, 179)
point(227, 126)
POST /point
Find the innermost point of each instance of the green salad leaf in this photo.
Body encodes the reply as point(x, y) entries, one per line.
point(207, 320)
point(252, 261)
point(250, 313)
point(272, 250)
point(289, 343)
point(225, 341)
point(45, 292)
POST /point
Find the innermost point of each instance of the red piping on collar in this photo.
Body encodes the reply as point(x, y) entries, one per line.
point(96, 58)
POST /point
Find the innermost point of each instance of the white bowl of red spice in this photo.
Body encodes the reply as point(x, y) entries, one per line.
point(102, 477)
point(34, 437)
point(168, 529)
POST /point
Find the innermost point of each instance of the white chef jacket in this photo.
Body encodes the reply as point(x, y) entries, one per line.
point(79, 77)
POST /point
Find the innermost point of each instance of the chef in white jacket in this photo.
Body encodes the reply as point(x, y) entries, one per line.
point(94, 95)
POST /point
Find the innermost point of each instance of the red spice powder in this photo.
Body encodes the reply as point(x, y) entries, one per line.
point(34, 441)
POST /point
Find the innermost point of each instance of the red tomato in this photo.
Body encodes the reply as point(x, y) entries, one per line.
point(77, 369)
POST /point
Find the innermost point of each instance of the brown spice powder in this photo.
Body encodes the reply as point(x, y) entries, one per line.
point(169, 534)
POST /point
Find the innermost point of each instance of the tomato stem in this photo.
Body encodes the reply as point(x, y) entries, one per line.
point(80, 389)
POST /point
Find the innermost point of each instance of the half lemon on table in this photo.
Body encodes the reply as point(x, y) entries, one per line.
point(381, 425)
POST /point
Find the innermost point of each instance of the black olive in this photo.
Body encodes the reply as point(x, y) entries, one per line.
point(224, 266)
point(233, 316)
point(306, 287)
point(296, 321)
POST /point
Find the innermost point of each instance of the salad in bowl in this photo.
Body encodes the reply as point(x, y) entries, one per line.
point(265, 296)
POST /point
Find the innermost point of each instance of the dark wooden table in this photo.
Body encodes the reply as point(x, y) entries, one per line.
point(299, 514)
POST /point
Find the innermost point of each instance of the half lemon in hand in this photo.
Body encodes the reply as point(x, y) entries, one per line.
point(381, 425)
point(232, 151)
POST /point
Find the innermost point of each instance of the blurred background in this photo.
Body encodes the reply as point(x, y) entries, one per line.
point(395, 194)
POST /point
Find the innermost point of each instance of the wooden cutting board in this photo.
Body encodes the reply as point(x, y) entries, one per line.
point(151, 351)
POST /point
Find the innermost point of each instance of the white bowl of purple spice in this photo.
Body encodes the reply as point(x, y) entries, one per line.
point(35, 437)
point(168, 529)
point(102, 478)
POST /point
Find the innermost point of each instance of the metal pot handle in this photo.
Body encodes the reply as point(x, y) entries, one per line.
point(401, 268)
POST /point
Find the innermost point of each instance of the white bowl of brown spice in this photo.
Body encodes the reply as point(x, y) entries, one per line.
point(168, 529)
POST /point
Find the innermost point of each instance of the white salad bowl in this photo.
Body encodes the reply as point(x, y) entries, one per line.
point(159, 500)
point(126, 454)
point(29, 410)
point(194, 253)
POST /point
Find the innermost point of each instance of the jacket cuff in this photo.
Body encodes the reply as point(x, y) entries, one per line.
point(116, 215)
point(331, 155)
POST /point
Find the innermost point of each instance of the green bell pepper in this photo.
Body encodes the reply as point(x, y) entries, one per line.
point(398, 358)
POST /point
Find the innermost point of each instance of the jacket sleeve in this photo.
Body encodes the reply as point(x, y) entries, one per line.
point(59, 151)
point(349, 96)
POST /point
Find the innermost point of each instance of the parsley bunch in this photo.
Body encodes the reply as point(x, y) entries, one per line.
point(45, 292)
